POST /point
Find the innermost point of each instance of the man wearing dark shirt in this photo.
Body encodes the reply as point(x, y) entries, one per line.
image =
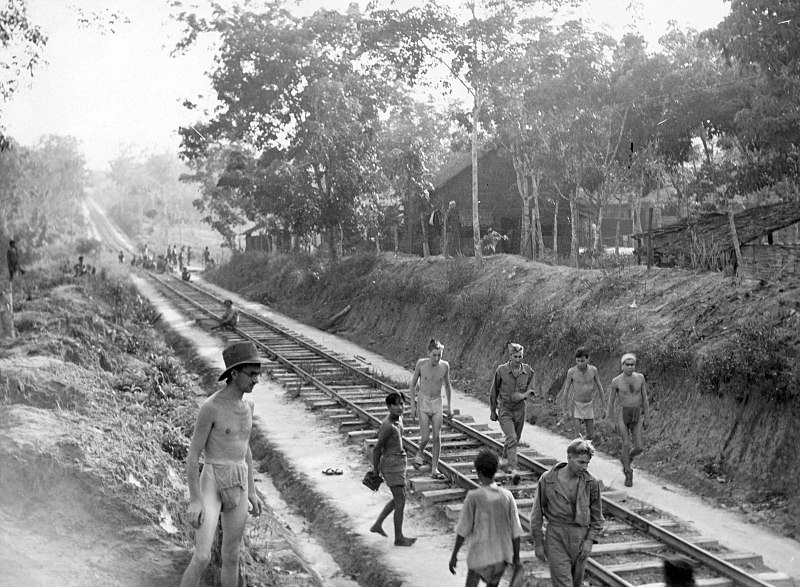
point(12, 257)
point(568, 497)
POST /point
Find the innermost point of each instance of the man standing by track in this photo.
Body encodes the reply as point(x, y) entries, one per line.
point(582, 379)
point(431, 373)
point(226, 485)
point(513, 383)
point(568, 497)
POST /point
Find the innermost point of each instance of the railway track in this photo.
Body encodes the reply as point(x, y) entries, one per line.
point(636, 537)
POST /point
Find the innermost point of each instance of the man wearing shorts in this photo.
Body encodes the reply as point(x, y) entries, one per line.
point(222, 434)
point(513, 383)
point(582, 380)
point(389, 458)
point(632, 414)
point(431, 373)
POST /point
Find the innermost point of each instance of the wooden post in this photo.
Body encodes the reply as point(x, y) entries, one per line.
point(649, 238)
point(735, 239)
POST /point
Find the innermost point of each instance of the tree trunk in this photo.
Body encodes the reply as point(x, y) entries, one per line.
point(573, 219)
point(522, 189)
point(735, 239)
point(555, 228)
point(598, 235)
point(476, 224)
point(426, 250)
point(616, 235)
point(537, 216)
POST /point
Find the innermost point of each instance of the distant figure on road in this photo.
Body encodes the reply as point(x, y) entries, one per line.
point(188, 255)
point(490, 520)
point(568, 497)
point(632, 414)
point(582, 380)
point(389, 458)
point(513, 383)
point(121, 257)
point(431, 373)
point(222, 434)
point(452, 233)
point(12, 258)
point(206, 257)
point(230, 319)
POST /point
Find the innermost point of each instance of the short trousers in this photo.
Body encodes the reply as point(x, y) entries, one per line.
point(631, 416)
point(393, 470)
point(231, 482)
point(430, 406)
point(583, 411)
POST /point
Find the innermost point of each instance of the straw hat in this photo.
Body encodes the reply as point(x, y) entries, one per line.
point(240, 353)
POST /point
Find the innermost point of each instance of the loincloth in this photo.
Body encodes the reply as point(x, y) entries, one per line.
point(430, 406)
point(393, 469)
point(630, 416)
point(231, 481)
point(583, 410)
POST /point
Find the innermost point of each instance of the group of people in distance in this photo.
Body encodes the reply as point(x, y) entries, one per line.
point(567, 496)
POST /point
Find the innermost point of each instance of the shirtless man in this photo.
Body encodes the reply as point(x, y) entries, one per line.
point(431, 374)
point(230, 318)
point(631, 417)
point(582, 379)
point(222, 434)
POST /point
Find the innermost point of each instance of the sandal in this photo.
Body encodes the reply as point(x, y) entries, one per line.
point(332, 471)
point(438, 476)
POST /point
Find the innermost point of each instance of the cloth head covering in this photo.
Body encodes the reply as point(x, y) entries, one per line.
point(514, 347)
point(628, 357)
point(240, 353)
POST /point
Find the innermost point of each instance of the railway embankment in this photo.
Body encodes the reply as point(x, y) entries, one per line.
point(720, 355)
point(96, 411)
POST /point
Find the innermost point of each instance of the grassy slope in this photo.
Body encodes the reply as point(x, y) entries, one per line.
point(720, 356)
point(95, 396)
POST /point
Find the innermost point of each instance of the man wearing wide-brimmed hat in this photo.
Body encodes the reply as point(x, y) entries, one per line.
point(222, 434)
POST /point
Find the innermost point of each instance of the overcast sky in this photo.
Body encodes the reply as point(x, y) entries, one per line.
point(117, 85)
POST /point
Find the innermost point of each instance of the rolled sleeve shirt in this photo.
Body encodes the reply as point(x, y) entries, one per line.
point(507, 387)
point(585, 509)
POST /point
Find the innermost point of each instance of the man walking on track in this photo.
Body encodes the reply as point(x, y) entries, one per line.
point(389, 458)
point(513, 383)
point(568, 497)
point(632, 414)
point(431, 373)
point(490, 520)
point(222, 434)
point(582, 379)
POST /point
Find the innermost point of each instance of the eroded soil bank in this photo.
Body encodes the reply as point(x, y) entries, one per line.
point(96, 412)
point(720, 355)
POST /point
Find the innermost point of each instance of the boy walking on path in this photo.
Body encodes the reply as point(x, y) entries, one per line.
point(513, 383)
point(632, 414)
point(431, 373)
point(222, 434)
point(568, 497)
point(490, 520)
point(389, 458)
point(582, 379)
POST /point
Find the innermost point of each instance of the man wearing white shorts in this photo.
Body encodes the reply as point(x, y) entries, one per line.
point(431, 373)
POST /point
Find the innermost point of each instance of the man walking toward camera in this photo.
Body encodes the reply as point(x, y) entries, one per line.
point(568, 497)
point(513, 383)
point(222, 434)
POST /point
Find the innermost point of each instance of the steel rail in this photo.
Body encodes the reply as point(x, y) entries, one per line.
point(724, 568)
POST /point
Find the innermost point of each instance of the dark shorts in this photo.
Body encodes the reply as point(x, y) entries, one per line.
point(630, 416)
point(393, 469)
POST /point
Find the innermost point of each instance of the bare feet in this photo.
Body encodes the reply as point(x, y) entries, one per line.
point(378, 530)
point(404, 541)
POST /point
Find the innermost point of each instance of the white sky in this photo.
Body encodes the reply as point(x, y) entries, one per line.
point(112, 90)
